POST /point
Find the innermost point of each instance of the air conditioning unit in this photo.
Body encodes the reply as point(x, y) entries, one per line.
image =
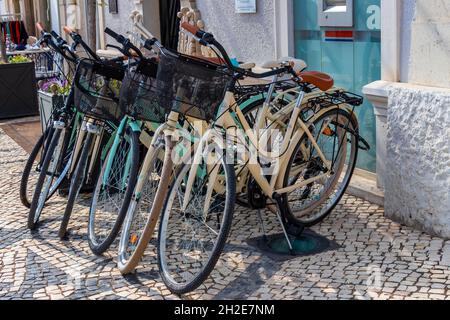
point(335, 13)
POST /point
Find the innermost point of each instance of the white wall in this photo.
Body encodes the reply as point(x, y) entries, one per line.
point(418, 158)
point(151, 17)
point(54, 14)
point(426, 42)
point(248, 37)
point(408, 11)
point(120, 23)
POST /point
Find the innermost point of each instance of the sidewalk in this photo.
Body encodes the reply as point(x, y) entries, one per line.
point(377, 259)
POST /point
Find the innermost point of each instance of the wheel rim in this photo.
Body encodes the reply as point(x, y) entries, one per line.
point(311, 202)
point(109, 194)
point(43, 196)
point(140, 208)
point(189, 238)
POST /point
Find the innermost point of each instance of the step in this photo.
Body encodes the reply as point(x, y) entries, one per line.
point(364, 186)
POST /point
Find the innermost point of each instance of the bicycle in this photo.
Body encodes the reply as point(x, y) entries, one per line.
point(133, 242)
point(32, 168)
point(96, 90)
point(66, 140)
point(114, 191)
point(197, 211)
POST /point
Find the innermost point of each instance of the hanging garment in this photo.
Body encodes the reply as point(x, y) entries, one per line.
point(16, 31)
point(170, 24)
point(23, 33)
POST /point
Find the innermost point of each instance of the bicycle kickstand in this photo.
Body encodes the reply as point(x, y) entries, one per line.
point(286, 235)
point(263, 227)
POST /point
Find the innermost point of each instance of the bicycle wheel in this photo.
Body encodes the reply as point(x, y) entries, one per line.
point(32, 168)
point(76, 183)
point(113, 193)
point(139, 224)
point(191, 240)
point(336, 134)
point(46, 178)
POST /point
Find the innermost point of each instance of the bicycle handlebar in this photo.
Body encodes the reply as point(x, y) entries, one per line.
point(127, 45)
point(40, 27)
point(79, 40)
point(196, 31)
point(207, 39)
point(59, 46)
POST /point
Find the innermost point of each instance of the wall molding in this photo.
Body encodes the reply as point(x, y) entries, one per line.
point(390, 40)
point(284, 28)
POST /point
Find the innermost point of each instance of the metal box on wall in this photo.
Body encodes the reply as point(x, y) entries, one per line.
point(335, 13)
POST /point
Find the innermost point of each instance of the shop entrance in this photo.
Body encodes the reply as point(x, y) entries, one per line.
point(342, 38)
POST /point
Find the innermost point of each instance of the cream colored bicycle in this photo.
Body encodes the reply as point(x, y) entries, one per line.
point(302, 169)
point(308, 147)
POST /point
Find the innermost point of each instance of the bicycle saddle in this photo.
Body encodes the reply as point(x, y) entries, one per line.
point(299, 65)
point(321, 80)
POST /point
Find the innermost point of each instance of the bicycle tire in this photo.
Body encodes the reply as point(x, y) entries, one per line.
point(97, 247)
point(289, 214)
point(24, 181)
point(127, 266)
point(76, 184)
point(200, 277)
point(35, 207)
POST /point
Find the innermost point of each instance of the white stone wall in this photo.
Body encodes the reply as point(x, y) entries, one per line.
point(408, 12)
point(248, 37)
point(120, 22)
point(430, 44)
point(418, 158)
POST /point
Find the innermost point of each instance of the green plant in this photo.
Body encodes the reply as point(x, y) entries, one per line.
point(19, 59)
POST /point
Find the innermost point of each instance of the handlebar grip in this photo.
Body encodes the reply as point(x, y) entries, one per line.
point(40, 27)
point(56, 36)
point(111, 33)
point(68, 30)
point(192, 29)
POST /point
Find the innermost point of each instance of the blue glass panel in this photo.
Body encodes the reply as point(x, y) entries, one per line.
point(352, 64)
point(337, 60)
point(310, 51)
point(306, 15)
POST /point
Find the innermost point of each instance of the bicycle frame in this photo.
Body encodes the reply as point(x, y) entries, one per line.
point(272, 188)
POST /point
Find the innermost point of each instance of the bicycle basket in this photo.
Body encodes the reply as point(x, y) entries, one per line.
point(97, 87)
point(191, 86)
point(138, 95)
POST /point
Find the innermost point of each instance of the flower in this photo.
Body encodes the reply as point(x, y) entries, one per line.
point(55, 86)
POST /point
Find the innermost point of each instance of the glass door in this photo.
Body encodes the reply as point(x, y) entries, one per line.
point(351, 55)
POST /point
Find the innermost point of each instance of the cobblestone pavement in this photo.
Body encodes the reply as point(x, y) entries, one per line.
point(376, 258)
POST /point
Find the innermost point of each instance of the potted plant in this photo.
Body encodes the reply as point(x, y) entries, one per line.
point(18, 94)
point(51, 94)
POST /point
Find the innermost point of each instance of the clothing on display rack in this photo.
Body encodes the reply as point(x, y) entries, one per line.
point(16, 30)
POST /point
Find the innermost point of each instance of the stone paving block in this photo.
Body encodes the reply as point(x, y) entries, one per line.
point(379, 259)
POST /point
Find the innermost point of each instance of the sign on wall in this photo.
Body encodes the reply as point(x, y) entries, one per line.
point(113, 8)
point(245, 6)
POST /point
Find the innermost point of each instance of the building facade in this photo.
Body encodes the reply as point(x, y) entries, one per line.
point(395, 52)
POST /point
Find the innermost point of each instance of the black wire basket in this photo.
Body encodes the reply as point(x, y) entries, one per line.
point(191, 86)
point(97, 89)
point(139, 95)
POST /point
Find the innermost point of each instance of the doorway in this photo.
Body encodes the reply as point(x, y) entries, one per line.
point(170, 24)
